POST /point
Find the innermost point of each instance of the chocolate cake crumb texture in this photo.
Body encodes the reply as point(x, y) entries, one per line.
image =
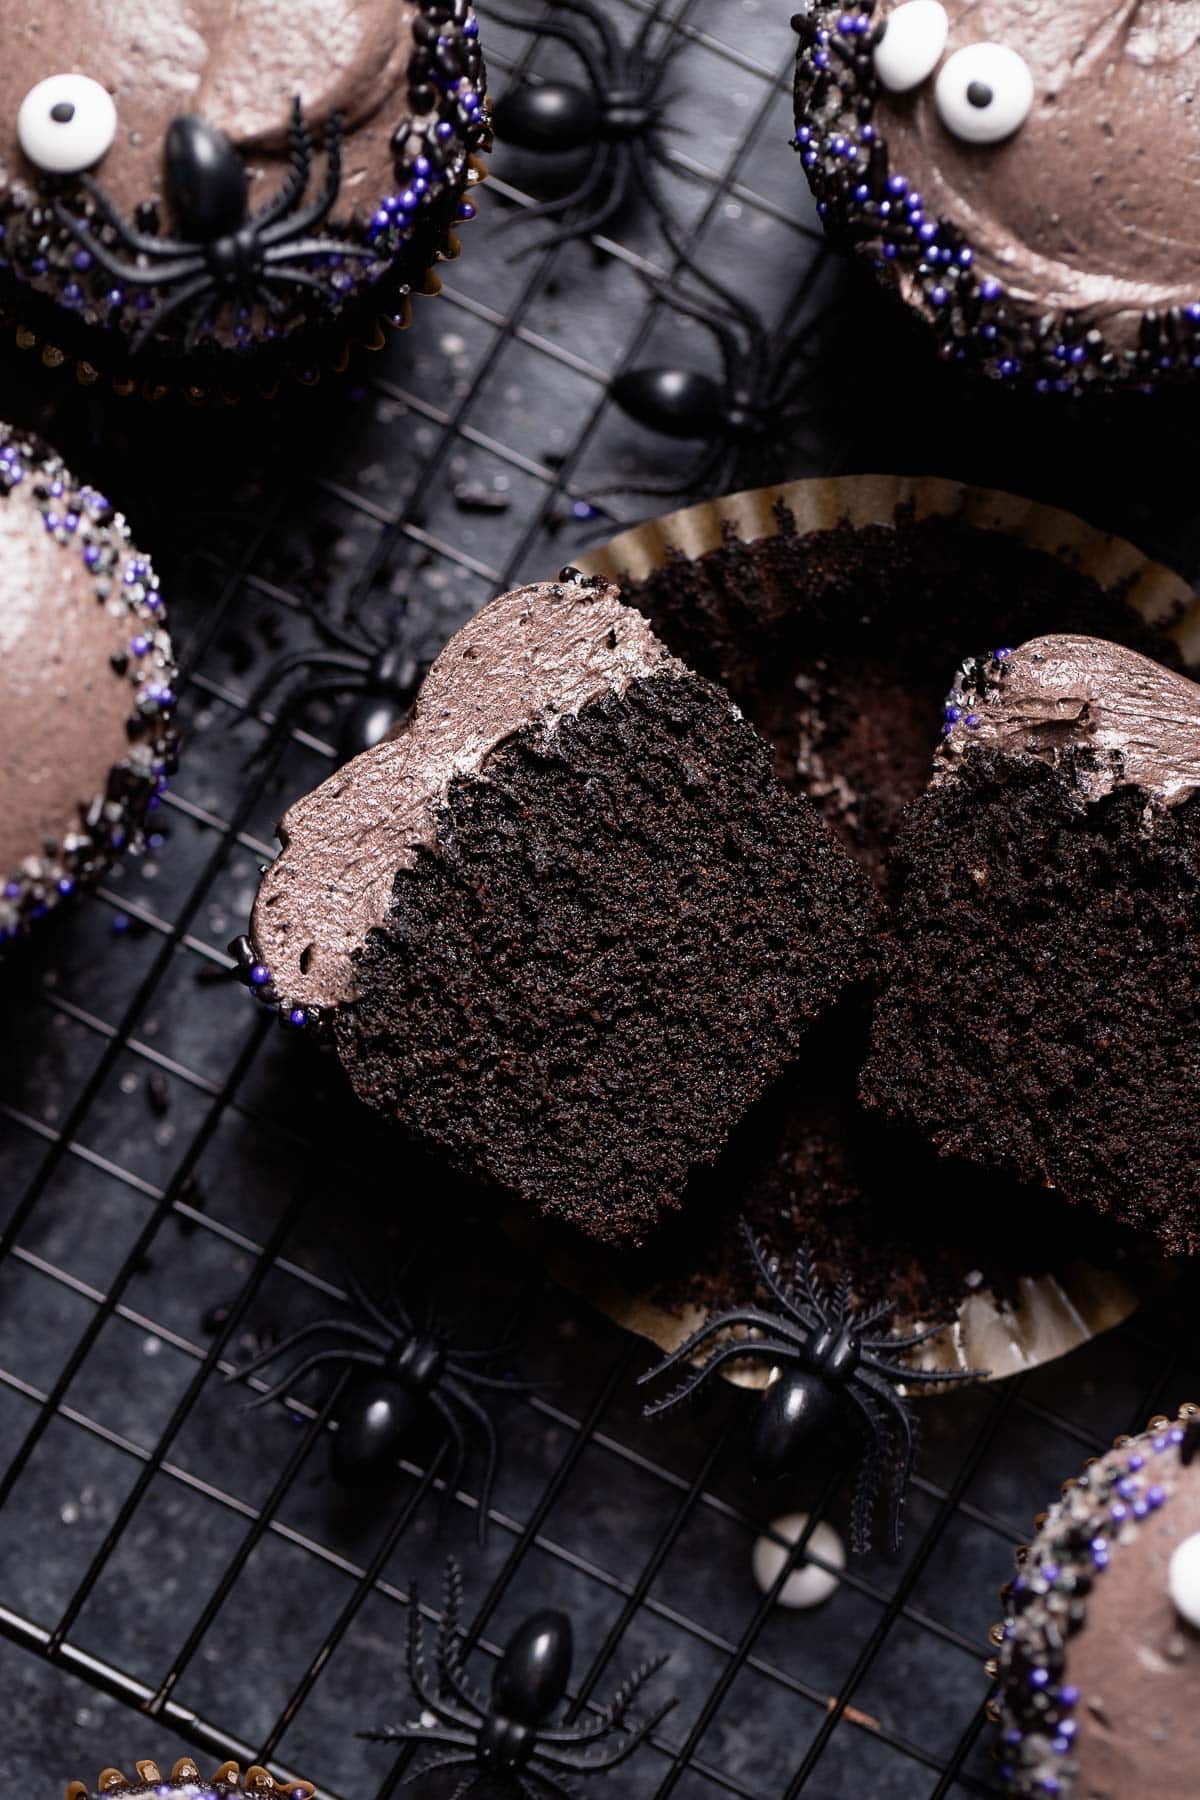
point(625, 932)
point(1041, 1003)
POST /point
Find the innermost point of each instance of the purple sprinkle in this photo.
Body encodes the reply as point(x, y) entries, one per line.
point(1141, 1509)
point(1155, 1496)
point(939, 296)
point(868, 134)
point(990, 288)
point(803, 134)
point(443, 130)
point(897, 184)
point(1002, 655)
point(66, 885)
point(260, 975)
point(466, 210)
point(1137, 1460)
point(972, 720)
point(1127, 1488)
point(297, 1016)
point(139, 645)
point(1118, 1511)
point(1039, 1678)
point(1068, 1697)
point(954, 713)
point(1050, 1572)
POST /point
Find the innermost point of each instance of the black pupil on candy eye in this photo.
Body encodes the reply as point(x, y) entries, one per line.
point(62, 112)
point(980, 94)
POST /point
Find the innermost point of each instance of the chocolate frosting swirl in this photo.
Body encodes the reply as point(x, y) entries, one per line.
point(532, 657)
point(1092, 206)
point(1141, 720)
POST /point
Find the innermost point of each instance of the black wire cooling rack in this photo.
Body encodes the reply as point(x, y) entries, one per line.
point(183, 1184)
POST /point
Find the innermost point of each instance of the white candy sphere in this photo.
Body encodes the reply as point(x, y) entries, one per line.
point(984, 93)
point(1183, 1579)
point(66, 123)
point(807, 1585)
point(914, 37)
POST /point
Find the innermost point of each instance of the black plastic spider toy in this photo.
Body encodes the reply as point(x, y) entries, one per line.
point(763, 395)
point(417, 1370)
point(508, 1738)
point(383, 678)
point(830, 1357)
point(618, 116)
point(223, 253)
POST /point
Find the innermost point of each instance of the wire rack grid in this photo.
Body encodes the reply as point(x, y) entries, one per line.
point(184, 1184)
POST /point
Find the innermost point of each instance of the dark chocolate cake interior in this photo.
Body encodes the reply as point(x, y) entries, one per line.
point(623, 936)
point(1040, 1011)
point(840, 646)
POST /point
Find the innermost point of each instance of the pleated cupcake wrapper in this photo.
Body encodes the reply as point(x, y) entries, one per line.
point(370, 334)
point(1048, 1314)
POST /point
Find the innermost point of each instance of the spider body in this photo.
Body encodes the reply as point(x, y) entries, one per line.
point(409, 1370)
point(222, 252)
point(832, 1360)
point(508, 1737)
point(619, 115)
point(741, 418)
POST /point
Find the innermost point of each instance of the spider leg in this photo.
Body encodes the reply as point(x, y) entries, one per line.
point(914, 1377)
point(289, 251)
point(306, 1367)
point(595, 1765)
point(869, 1478)
point(735, 1352)
point(448, 1646)
point(195, 324)
point(296, 180)
point(584, 9)
point(607, 209)
point(465, 1785)
point(497, 1383)
point(476, 1412)
point(884, 1346)
point(161, 275)
point(295, 703)
point(200, 289)
point(609, 1717)
point(904, 1428)
point(722, 330)
point(359, 1293)
point(746, 1315)
point(553, 209)
point(318, 208)
point(301, 1336)
point(458, 1446)
point(803, 1307)
point(352, 661)
point(142, 241)
point(420, 1734)
point(445, 1762)
point(433, 1701)
point(295, 278)
point(598, 71)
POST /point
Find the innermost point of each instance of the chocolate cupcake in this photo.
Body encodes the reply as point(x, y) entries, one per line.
point(566, 925)
point(1099, 1652)
point(87, 684)
point(826, 608)
point(201, 198)
point(1040, 1011)
point(1023, 176)
point(187, 1782)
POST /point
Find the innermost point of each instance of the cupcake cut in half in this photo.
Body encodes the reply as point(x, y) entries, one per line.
point(86, 679)
point(1041, 1005)
point(1099, 1652)
point(188, 191)
point(566, 925)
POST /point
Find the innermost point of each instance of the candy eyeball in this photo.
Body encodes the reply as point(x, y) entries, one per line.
point(66, 123)
point(984, 93)
point(914, 36)
point(1183, 1578)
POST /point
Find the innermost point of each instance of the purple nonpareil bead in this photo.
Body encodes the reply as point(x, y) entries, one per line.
point(1155, 1496)
point(990, 288)
point(1068, 1696)
point(259, 975)
point(1039, 1678)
